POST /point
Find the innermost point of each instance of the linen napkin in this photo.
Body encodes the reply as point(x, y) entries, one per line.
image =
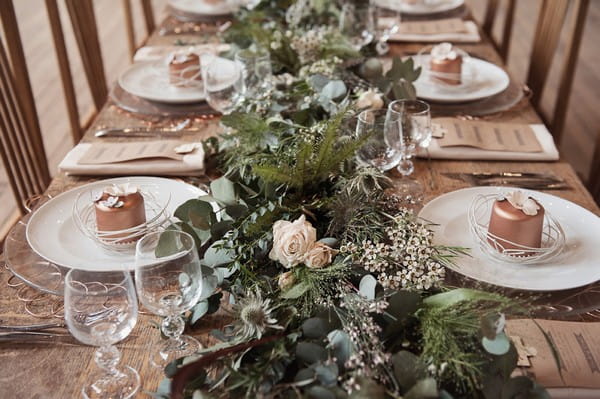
point(158, 158)
point(538, 147)
point(441, 30)
point(157, 53)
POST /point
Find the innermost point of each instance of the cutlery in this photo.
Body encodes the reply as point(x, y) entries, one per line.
point(515, 175)
point(139, 131)
point(32, 327)
point(35, 337)
point(534, 181)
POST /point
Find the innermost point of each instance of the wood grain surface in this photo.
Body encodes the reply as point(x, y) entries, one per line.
point(59, 370)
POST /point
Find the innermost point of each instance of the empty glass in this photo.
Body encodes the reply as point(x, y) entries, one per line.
point(375, 151)
point(256, 69)
point(413, 119)
point(223, 85)
point(101, 309)
point(387, 22)
point(168, 279)
point(357, 22)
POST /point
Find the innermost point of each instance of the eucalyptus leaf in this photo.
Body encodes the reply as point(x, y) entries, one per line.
point(197, 206)
point(315, 327)
point(168, 244)
point(369, 389)
point(517, 387)
point(423, 389)
point(334, 90)
point(236, 211)
point(223, 190)
point(306, 374)
point(408, 369)
point(164, 387)
point(319, 392)
point(330, 242)
point(367, 286)
point(498, 346)
point(402, 304)
point(218, 230)
point(327, 374)
point(296, 291)
point(341, 346)
point(505, 364)
point(215, 256)
point(171, 368)
point(310, 353)
point(457, 295)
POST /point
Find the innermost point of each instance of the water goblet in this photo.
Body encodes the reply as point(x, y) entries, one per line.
point(357, 22)
point(387, 23)
point(223, 85)
point(413, 129)
point(101, 309)
point(256, 69)
point(168, 279)
point(375, 152)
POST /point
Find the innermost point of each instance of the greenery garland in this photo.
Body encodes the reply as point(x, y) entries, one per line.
point(337, 291)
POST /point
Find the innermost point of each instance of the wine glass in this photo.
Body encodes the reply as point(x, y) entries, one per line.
point(223, 85)
point(387, 22)
point(413, 121)
point(357, 22)
point(101, 309)
point(256, 68)
point(375, 151)
point(168, 278)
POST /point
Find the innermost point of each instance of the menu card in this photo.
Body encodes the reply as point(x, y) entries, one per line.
point(486, 135)
point(105, 153)
point(577, 346)
point(449, 25)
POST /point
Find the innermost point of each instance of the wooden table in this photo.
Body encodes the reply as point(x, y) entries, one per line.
point(59, 371)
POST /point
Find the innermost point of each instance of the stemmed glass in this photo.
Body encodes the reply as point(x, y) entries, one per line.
point(101, 309)
point(223, 85)
point(256, 69)
point(168, 278)
point(387, 22)
point(357, 22)
point(375, 152)
point(413, 121)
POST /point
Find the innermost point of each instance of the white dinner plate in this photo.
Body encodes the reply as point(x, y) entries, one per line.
point(425, 7)
point(53, 234)
point(481, 79)
point(212, 8)
point(576, 266)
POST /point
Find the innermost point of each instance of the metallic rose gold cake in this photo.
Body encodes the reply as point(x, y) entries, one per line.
point(119, 212)
point(521, 225)
point(184, 69)
point(445, 64)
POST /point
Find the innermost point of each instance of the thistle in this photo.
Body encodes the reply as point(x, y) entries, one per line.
point(253, 316)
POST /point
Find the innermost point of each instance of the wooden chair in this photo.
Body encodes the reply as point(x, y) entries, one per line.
point(26, 167)
point(148, 15)
point(489, 20)
point(550, 23)
point(593, 182)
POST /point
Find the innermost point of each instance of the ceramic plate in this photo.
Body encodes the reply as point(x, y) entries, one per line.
point(424, 7)
point(205, 7)
point(481, 79)
point(53, 234)
point(576, 266)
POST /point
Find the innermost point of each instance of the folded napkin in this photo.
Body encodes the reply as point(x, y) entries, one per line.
point(157, 158)
point(443, 30)
point(573, 393)
point(156, 53)
point(544, 138)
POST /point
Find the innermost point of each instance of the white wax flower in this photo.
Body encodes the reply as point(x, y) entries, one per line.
point(292, 240)
point(369, 99)
point(443, 51)
point(521, 201)
point(119, 190)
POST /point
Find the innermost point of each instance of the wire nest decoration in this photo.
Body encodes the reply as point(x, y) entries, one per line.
point(84, 214)
point(553, 237)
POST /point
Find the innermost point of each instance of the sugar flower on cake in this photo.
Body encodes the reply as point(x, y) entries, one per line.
point(369, 99)
point(292, 241)
point(120, 190)
point(443, 51)
point(522, 201)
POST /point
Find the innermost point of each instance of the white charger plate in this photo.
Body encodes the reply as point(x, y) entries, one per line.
point(53, 234)
point(150, 81)
point(422, 8)
point(578, 265)
point(205, 7)
point(482, 79)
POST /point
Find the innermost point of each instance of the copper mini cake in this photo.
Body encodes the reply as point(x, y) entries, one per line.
point(119, 207)
point(445, 64)
point(517, 219)
point(184, 69)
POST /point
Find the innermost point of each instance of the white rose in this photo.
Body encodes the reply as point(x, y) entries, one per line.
point(369, 99)
point(286, 280)
point(292, 240)
point(319, 255)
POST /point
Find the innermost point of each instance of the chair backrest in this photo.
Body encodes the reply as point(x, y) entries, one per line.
point(489, 19)
point(148, 15)
point(550, 23)
point(26, 168)
point(593, 182)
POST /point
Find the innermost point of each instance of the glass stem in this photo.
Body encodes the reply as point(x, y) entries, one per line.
point(107, 358)
point(173, 326)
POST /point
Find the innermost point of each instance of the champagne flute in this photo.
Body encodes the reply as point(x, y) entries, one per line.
point(223, 85)
point(413, 121)
point(168, 278)
point(101, 309)
point(375, 151)
point(387, 22)
point(357, 22)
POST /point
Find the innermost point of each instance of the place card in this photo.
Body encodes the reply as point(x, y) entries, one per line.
point(106, 153)
point(449, 25)
point(489, 136)
point(572, 361)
